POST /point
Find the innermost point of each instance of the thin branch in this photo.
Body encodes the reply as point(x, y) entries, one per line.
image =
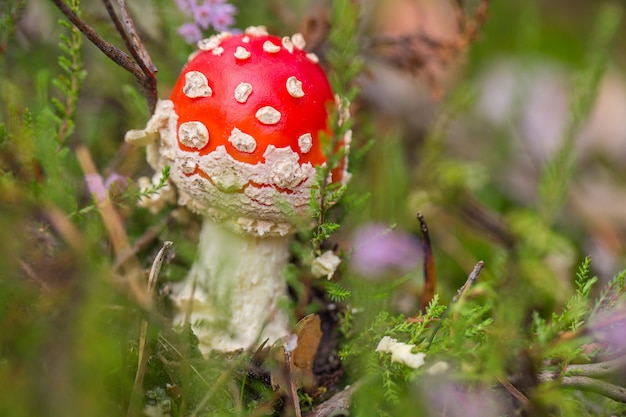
point(468, 283)
point(585, 383)
point(126, 28)
point(136, 47)
point(600, 369)
point(113, 52)
point(143, 70)
point(293, 391)
point(337, 405)
point(519, 396)
point(127, 262)
point(598, 386)
point(142, 360)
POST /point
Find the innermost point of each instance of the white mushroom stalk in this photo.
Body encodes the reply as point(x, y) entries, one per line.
point(241, 135)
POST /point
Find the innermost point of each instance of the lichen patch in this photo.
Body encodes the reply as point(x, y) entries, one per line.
point(193, 135)
point(305, 142)
point(242, 141)
point(196, 85)
point(268, 115)
point(242, 92)
point(294, 87)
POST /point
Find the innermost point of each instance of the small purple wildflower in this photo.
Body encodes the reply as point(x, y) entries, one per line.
point(116, 182)
point(222, 18)
point(95, 186)
point(216, 14)
point(609, 330)
point(377, 250)
point(455, 400)
point(100, 188)
point(203, 15)
point(190, 32)
point(185, 5)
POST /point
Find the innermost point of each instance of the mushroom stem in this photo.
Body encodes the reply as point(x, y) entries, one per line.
point(231, 296)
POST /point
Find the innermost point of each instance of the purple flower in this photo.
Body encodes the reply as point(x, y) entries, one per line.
point(609, 330)
point(190, 32)
point(222, 18)
point(186, 5)
point(455, 400)
point(203, 15)
point(95, 186)
point(216, 14)
point(378, 250)
point(116, 183)
point(100, 188)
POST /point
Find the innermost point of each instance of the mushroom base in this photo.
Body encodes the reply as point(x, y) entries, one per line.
point(232, 293)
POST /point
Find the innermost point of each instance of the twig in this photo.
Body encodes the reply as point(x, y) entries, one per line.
point(470, 280)
point(598, 370)
point(519, 396)
point(143, 346)
point(337, 405)
point(114, 53)
point(32, 275)
point(293, 392)
point(430, 277)
point(598, 386)
point(64, 227)
point(126, 28)
point(468, 283)
point(486, 221)
point(131, 267)
point(143, 70)
point(588, 384)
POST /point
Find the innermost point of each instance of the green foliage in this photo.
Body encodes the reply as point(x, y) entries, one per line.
point(336, 292)
point(71, 336)
point(558, 172)
point(70, 80)
point(344, 57)
point(9, 12)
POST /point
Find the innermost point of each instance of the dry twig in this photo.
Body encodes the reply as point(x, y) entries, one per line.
point(126, 261)
point(430, 277)
point(143, 346)
point(468, 283)
point(140, 65)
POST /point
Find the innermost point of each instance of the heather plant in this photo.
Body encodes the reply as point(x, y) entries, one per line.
point(493, 301)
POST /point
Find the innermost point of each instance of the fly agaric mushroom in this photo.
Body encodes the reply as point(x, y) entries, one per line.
point(241, 134)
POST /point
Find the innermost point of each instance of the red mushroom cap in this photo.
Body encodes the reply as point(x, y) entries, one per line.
point(263, 86)
point(250, 113)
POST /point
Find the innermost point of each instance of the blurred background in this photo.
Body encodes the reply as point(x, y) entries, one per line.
point(503, 123)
